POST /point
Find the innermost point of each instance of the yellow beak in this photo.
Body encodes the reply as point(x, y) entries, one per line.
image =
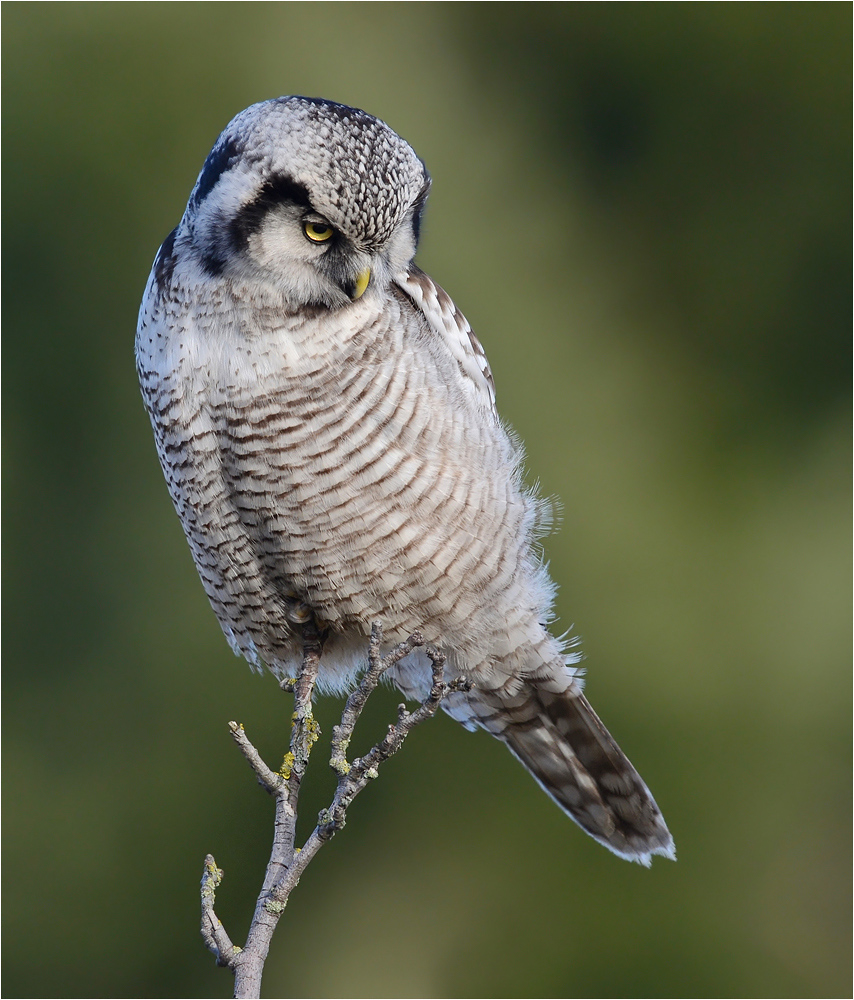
point(361, 284)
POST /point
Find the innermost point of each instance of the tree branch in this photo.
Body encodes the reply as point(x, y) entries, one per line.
point(213, 932)
point(287, 863)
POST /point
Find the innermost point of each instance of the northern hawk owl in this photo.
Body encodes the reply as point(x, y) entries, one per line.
point(326, 423)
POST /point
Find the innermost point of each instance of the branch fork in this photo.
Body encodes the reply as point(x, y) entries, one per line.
point(288, 862)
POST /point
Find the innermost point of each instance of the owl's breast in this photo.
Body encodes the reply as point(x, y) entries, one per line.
point(338, 468)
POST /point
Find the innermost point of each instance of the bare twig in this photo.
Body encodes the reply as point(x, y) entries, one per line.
point(287, 863)
point(213, 932)
point(268, 779)
point(377, 666)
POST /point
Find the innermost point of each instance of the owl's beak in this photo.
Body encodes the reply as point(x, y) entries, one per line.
point(360, 284)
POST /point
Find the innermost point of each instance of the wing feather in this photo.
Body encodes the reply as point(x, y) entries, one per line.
point(453, 328)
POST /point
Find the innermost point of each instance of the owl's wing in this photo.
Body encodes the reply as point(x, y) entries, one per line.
point(443, 317)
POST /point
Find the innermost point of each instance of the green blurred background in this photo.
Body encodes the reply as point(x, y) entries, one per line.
point(643, 210)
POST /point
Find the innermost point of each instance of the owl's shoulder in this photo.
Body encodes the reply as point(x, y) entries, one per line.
point(453, 331)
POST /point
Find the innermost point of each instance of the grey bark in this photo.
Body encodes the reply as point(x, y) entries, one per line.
point(287, 864)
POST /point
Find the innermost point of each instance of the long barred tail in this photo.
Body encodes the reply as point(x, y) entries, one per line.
point(562, 742)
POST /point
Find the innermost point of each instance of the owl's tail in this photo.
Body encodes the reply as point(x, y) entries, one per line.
point(562, 742)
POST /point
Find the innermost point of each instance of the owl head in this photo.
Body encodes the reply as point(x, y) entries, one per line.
point(319, 200)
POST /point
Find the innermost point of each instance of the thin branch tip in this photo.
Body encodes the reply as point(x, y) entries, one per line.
point(211, 878)
point(213, 933)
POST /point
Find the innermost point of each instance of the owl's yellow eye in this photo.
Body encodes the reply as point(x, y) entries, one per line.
point(318, 232)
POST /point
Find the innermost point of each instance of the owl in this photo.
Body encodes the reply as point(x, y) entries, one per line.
point(326, 423)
